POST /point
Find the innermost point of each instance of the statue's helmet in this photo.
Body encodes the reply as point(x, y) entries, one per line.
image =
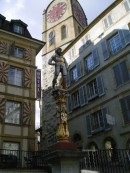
point(58, 50)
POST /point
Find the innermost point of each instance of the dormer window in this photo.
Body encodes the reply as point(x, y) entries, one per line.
point(18, 29)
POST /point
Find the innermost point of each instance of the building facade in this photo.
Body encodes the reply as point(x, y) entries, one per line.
point(62, 22)
point(18, 52)
point(98, 81)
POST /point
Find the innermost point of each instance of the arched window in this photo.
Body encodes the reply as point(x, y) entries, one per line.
point(63, 32)
point(76, 138)
point(52, 38)
point(109, 143)
point(111, 148)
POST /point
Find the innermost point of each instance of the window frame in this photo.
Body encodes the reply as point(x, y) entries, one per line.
point(14, 75)
point(18, 29)
point(52, 38)
point(107, 20)
point(75, 99)
point(92, 89)
point(14, 119)
point(19, 52)
point(63, 32)
point(127, 7)
point(116, 43)
point(97, 120)
point(11, 150)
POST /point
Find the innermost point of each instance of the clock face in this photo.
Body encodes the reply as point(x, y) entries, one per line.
point(56, 12)
point(79, 15)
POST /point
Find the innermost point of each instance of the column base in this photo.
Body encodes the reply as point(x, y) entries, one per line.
point(64, 145)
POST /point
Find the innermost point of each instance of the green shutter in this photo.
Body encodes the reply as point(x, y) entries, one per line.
point(100, 85)
point(104, 50)
point(107, 127)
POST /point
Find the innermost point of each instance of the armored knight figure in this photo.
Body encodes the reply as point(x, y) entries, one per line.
point(61, 65)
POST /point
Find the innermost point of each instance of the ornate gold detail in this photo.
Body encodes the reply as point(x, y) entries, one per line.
point(62, 133)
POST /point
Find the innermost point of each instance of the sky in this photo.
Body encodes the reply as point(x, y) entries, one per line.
point(30, 12)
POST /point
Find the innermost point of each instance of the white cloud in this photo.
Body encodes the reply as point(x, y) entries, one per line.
point(20, 4)
point(8, 1)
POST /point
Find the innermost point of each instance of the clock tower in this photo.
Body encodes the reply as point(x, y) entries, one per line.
point(63, 20)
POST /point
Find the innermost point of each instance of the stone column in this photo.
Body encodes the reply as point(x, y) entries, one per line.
point(65, 161)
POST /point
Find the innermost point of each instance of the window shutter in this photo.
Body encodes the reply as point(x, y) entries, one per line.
point(28, 78)
point(2, 109)
point(69, 104)
point(126, 34)
point(4, 68)
point(125, 105)
point(104, 50)
point(107, 127)
point(117, 73)
point(88, 122)
point(88, 92)
point(81, 96)
point(100, 85)
point(127, 6)
point(124, 71)
point(95, 57)
point(85, 94)
point(79, 69)
point(26, 113)
point(110, 20)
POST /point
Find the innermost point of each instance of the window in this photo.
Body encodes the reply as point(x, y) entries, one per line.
point(107, 21)
point(125, 105)
point(71, 54)
point(13, 112)
point(15, 76)
point(18, 52)
point(52, 38)
point(79, 98)
point(75, 99)
point(18, 29)
point(97, 122)
point(115, 44)
point(92, 61)
point(127, 5)
point(92, 89)
point(76, 72)
point(74, 75)
point(95, 88)
point(7, 146)
point(121, 73)
point(63, 32)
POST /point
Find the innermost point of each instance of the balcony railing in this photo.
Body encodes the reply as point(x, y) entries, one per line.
point(23, 159)
point(106, 161)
